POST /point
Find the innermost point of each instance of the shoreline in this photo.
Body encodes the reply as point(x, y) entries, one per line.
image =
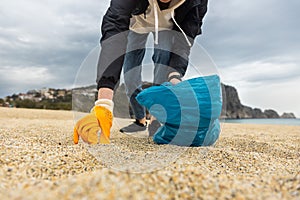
point(266, 121)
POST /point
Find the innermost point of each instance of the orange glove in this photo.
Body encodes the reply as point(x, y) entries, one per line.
point(100, 119)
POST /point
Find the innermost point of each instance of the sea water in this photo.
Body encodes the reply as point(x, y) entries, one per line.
point(293, 122)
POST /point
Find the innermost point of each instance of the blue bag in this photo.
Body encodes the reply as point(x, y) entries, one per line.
point(189, 111)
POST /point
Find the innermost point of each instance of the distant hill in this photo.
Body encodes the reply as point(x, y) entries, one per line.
point(45, 98)
point(232, 107)
point(83, 98)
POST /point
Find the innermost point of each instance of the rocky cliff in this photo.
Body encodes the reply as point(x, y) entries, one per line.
point(288, 115)
point(232, 107)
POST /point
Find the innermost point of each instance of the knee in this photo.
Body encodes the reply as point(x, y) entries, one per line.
point(161, 56)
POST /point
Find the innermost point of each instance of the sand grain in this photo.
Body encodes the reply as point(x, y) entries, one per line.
point(39, 161)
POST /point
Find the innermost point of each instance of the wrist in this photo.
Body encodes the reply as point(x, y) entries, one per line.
point(178, 77)
point(174, 78)
point(106, 103)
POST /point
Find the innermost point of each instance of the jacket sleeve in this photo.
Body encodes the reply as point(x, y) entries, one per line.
point(115, 25)
point(191, 25)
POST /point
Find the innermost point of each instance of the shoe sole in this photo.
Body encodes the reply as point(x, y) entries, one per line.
point(138, 134)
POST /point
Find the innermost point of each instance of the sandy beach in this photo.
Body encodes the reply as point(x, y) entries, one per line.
point(38, 160)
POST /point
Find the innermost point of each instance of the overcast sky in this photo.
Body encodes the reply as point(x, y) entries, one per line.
point(255, 45)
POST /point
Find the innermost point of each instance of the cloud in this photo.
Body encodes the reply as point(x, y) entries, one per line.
point(55, 35)
point(20, 79)
point(268, 84)
point(25, 75)
point(261, 72)
point(281, 96)
point(255, 45)
point(238, 31)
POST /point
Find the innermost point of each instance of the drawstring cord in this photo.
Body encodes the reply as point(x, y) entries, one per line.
point(185, 36)
point(156, 22)
point(156, 25)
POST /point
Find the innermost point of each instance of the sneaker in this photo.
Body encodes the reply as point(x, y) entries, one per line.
point(153, 127)
point(134, 127)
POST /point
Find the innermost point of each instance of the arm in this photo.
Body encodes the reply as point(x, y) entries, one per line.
point(114, 30)
point(191, 25)
point(114, 40)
